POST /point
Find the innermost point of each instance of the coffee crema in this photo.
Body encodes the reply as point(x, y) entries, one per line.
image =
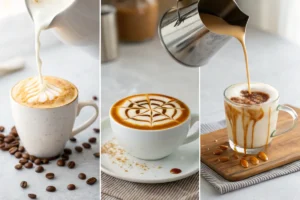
point(150, 111)
point(54, 92)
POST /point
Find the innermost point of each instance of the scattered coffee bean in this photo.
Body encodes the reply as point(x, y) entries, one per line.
point(95, 98)
point(68, 151)
point(21, 149)
point(18, 154)
point(97, 155)
point(18, 167)
point(71, 187)
point(13, 150)
point(28, 165)
point(32, 196)
point(65, 156)
point(96, 130)
point(92, 140)
point(23, 184)
point(2, 146)
point(86, 145)
point(2, 128)
point(78, 149)
point(61, 163)
point(71, 164)
point(72, 139)
point(9, 139)
point(32, 158)
point(14, 144)
point(14, 133)
point(82, 176)
point(51, 188)
point(50, 176)
point(23, 161)
point(2, 135)
point(37, 161)
point(263, 156)
point(91, 181)
point(39, 169)
point(25, 155)
point(244, 163)
point(45, 161)
point(218, 152)
point(6, 147)
point(224, 147)
point(254, 160)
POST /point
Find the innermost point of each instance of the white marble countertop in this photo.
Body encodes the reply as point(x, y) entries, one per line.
point(273, 61)
point(17, 39)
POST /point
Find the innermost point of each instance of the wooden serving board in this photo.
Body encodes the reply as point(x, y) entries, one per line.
point(284, 149)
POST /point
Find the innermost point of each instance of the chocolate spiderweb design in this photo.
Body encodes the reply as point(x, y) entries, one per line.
point(152, 111)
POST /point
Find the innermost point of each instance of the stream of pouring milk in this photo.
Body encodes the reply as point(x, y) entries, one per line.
point(43, 12)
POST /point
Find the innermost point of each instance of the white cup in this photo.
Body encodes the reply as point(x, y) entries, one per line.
point(155, 144)
point(45, 131)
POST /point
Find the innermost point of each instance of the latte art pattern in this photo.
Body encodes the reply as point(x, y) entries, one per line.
point(150, 111)
point(37, 92)
point(53, 92)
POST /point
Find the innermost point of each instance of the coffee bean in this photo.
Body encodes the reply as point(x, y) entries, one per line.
point(37, 161)
point(25, 155)
point(95, 98)
point(71, 187)
point(32, 196)
point(71, 164)
point(23, 184)
point(18, 167)
point(72, 139)
point(92, 140)
point(21, 149)
point(2, 128)
point(39, 169)
point(14, 133)
point(9, 139)
point(97, 155)
point(45, 161)
point(13, 150)
point(64, 157)
point(28, 165)
point(2, 135)
point(61, 163)
point(96, 130)
point(18, 154)
point(14, 143)
point(78, 149)
point(91, 181)
point(6, 147)
point(82, 176)
point(50, 176)
point(68, 151)
point(32, 158)
point(51, 188)
point(86, 145)
point(2, 146)
point(23, 161)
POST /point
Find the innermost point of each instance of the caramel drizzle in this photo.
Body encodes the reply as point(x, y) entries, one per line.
point(267, 142)
point(248, 115)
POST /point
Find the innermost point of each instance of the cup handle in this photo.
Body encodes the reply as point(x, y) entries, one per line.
point(195, 125)
point(294, 115)
point(89, 121)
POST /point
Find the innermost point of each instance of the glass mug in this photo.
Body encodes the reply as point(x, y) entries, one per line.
point(251, 128)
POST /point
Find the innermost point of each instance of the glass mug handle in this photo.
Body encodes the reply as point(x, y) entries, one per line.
point(195, 128)
point(294, 115)
point(89, 121)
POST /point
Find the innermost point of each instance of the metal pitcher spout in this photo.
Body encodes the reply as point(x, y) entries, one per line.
point(186, 37)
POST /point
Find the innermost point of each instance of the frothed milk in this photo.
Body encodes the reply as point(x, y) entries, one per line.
point(43, 12)
point(250, 126)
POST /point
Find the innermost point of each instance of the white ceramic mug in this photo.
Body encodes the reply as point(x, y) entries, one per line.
point(155, 144)
point(45, 131)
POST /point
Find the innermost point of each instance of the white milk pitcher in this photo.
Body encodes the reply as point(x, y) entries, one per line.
point(74, 22)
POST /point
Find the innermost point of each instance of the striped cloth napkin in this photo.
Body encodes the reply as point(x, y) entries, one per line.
point(116, 189)
point(224, 186)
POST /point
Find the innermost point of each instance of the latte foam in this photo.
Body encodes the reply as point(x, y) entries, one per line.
point(150, 111)
point(53, 92)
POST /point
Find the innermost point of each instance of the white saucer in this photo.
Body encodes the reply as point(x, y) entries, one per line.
point(185, 158)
